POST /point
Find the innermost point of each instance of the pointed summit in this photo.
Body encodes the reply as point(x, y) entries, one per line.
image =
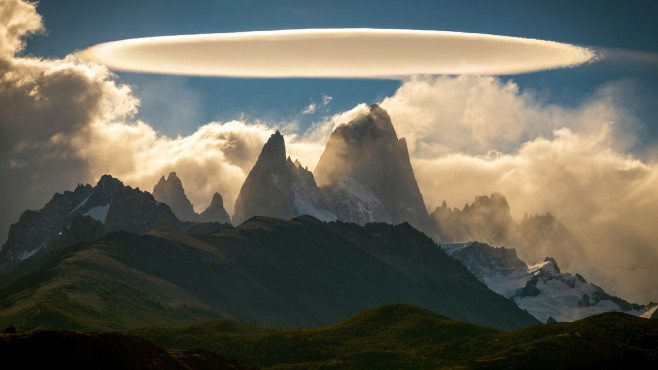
point(274, 151)
point(171, 192)
point(277, 187)
point(109, 184)
point(367, 169)
point(215, 211)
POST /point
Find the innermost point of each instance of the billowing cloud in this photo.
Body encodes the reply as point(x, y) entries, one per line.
point(354, 53)
point(64, 121)
point(19, 19)
point(478, 135)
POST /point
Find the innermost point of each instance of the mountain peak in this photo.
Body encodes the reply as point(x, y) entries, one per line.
point(553, 264)
point(108, 183)
point(171, 192)
point(173, 177)
point(215, 211)
point(366, 162)
point(274, 150)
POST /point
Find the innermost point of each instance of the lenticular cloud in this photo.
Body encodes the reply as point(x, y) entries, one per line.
point(336, 53)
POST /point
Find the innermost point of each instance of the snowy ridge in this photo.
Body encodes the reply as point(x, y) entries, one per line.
point(541, 289)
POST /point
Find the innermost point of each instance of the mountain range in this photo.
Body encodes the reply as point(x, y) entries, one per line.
point(363, 176)
point(298, 272)
point(309, 249)
point(541, 289)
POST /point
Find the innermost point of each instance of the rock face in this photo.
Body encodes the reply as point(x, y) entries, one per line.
point(75, 216)
point(542, 289)
point(488, 219)
point(364, 175)
point(171, 191)
point(366, 171)
point(277, 187)
point(215, 211)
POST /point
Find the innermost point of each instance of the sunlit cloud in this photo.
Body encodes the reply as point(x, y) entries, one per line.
point(337, 53)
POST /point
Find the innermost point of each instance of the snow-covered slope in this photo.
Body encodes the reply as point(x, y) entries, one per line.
point(542, 289)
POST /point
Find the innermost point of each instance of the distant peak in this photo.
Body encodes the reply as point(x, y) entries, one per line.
point(108, 183)
point(275, 148)
point(374, 122)
point(174, 179)
point(553, 263)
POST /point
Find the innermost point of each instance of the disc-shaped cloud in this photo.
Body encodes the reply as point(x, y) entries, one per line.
point(348, 53)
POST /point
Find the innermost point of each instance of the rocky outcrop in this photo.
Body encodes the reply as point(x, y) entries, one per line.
point(366, 173)
point(215, 211)
point(278, 187)
point(487, 219)
point(77, 216)
point(171, 191)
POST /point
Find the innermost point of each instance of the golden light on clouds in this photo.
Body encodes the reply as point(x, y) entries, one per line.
point(336, 53)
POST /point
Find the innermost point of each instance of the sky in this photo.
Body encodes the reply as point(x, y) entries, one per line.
point(577, 142)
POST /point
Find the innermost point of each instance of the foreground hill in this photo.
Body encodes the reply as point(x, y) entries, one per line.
point(299, 272)
point(403, 336)
point(71, 350)
point(393, 336)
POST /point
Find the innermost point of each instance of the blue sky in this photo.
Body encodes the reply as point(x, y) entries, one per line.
point(75, 25)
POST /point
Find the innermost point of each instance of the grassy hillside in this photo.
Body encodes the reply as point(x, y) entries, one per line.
point(86, 287)
point(403, 336)
point(299, 272)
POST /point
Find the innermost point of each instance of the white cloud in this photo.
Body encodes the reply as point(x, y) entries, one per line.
point(354, 53)
point(310, 109)
point(478, 135)
point(18, 19)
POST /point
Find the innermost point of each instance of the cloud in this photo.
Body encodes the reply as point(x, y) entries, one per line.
point(18, 19)
point(64, 121)
point(478, 135)
point(342, 53)
point(310, 109)
point(313, 107)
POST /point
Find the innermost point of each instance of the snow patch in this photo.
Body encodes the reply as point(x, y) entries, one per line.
point(305, 207)
point(84, 201)
point(31, 253)
point(452, 248)
point(99, 212)
point(649, 312)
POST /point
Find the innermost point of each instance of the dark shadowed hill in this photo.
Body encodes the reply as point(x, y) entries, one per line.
point(71, 350)
point(407, 337)
point(299, 272)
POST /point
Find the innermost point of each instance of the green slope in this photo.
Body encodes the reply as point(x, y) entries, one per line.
point(392, 336)
point(403, 336)
point(87, 288)
point(299, 272)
